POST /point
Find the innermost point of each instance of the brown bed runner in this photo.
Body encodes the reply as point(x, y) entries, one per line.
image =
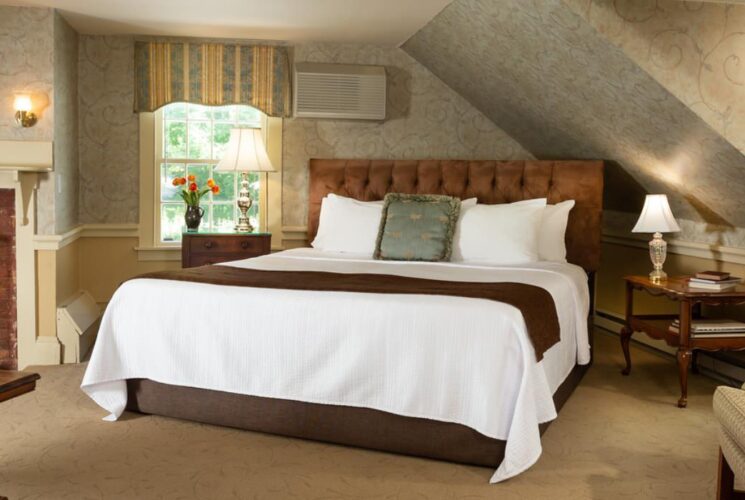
point(535, 303)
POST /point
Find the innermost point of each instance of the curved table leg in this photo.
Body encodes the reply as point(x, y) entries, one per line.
point(684, 359)
point(625, 339)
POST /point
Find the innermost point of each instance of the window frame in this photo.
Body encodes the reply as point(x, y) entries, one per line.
point(149, 246)
point(160, 158)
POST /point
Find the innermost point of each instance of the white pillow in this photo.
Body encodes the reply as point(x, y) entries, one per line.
point(506, 233)
point(348, 225)
point(551, 240)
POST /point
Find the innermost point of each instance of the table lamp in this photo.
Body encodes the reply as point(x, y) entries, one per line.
point(657, 218)
point(245, 153)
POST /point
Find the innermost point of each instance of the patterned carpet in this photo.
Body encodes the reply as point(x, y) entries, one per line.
point(617, 437)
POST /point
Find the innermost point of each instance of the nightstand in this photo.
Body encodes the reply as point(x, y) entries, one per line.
point(204, 248)
point(658, 325)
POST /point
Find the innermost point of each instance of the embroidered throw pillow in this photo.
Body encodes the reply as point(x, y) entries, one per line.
point(417, 227)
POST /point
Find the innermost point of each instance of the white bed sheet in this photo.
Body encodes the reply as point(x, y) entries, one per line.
point(451, 359)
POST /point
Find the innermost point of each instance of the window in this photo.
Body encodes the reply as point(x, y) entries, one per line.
point(190, 140)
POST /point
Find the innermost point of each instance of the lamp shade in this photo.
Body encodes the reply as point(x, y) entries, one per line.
point(245, 152)
point(656, 216)
point(22, 102)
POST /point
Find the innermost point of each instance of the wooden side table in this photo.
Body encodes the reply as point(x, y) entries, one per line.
point(13, 383)
point(657, 326)
point(204, 248)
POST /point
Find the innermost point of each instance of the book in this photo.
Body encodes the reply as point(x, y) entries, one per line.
point(713, 275)
point(707, 327)
point(716, 287)
point(716, 282)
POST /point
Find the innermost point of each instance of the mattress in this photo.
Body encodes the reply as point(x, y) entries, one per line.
point(450, 359)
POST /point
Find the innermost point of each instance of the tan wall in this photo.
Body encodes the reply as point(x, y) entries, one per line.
point(107, 262)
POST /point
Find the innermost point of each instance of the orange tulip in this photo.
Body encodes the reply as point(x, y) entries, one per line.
point(215, 189)
point(176, 181)
point(210, 182)
point(182, 181)
point(192, 178)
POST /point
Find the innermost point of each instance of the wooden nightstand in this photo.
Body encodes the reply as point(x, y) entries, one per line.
point(201, 249)
point(658, 325)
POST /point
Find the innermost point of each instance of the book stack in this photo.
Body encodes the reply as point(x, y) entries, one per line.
point(713, 280)
point(713, 328)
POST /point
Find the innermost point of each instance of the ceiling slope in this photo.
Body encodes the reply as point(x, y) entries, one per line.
point(547, 78)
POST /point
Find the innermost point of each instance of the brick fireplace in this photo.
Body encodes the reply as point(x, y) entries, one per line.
point(8, 316)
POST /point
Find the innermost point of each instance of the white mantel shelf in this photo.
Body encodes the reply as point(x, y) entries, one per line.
point(26, 156)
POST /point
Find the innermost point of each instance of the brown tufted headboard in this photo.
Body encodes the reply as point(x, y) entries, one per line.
point(489, 181)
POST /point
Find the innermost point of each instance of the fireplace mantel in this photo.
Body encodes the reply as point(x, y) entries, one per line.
point(21, 162)
point(26, 156)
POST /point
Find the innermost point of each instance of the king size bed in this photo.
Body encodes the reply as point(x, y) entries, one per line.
point(445, 360)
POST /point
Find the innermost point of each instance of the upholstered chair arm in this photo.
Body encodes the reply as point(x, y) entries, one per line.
point(729, 409)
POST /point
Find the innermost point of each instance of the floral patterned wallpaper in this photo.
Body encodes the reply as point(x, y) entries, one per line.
point(26, 65)
point(425, 119)
point(109, 131)
point(696, 50)
point(65, 125)
point(545, 76)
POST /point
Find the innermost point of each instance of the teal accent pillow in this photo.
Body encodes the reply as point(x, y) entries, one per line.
point(417, 227)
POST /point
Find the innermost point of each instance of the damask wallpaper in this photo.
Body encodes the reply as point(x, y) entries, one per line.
point(65, 125)
point(425, 119)
point(26, 62)
point(696, 50)
point(109, 140)
point(26, 65)
point(545, 76)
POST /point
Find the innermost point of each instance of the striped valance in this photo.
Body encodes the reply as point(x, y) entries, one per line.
point(213, 74)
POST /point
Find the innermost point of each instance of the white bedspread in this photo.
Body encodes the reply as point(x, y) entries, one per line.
point(451, 359)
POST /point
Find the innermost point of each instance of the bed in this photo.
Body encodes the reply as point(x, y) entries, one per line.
point(422, 375)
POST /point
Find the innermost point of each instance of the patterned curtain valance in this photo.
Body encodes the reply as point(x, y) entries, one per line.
point(212, 74)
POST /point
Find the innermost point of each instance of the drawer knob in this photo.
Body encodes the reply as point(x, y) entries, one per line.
point(209, 244)
point(244, 244)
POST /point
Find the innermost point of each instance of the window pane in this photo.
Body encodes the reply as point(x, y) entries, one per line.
point(199, 112)
point(176, 111)
point(220, 137)
point(199, 141)
point(223, 217)
point(174, 138)
point(226, 181)
point(249, 116)
point(168, 172)
point(172, 221)
point(224, 113)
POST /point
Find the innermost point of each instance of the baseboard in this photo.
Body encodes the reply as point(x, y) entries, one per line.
point(714, 365)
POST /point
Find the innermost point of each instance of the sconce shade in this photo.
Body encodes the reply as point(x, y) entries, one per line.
point(22, 103)
point(656, 216)
point(245, 152)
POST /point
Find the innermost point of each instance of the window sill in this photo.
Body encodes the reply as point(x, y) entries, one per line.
point(150, 254)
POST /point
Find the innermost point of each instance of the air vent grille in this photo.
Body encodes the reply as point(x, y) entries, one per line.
point(339, 91)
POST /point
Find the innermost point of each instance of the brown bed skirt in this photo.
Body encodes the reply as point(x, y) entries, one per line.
point(346, 425)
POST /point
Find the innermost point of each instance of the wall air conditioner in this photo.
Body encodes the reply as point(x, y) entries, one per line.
point(341, 91)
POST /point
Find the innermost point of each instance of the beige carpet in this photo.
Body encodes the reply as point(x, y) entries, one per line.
point(617, 437)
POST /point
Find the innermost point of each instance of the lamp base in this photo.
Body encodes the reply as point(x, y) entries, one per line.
point(658, 254)
point(244, 203)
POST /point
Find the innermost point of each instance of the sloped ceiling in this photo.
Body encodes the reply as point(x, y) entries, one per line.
point(545, 76)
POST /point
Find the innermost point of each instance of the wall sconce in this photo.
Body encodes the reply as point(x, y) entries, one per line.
point(24, 116)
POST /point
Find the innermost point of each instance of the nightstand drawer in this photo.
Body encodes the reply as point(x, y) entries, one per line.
point(205, 249)
point(240, 244)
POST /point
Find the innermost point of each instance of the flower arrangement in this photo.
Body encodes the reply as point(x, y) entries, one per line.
point(192, 194)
